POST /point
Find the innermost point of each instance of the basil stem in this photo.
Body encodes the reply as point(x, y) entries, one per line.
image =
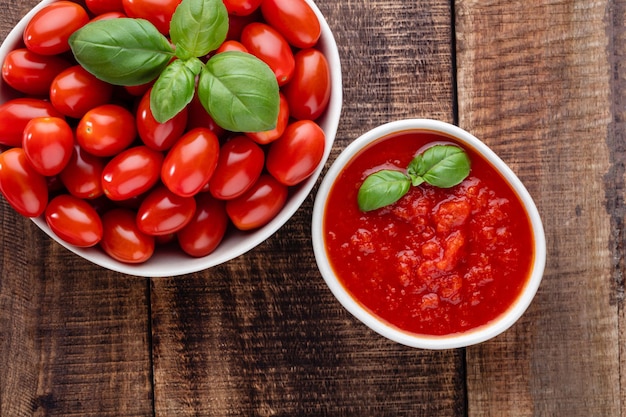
point(442, 166)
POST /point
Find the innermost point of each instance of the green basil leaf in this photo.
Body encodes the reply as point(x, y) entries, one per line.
point(240, 92)
point(173, 90)
point(443, 166)
point(121, 51)
point(198, 27)
point(381, 189)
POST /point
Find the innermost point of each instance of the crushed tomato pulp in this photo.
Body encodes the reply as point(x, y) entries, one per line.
point(438, 261)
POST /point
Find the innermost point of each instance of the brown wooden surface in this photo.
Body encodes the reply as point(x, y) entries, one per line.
point(541, 82)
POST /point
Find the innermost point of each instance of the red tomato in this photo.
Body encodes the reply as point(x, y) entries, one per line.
point(155, 135)
point(267, 44)
point(162, 212)
point(131, 173)
point(268, 136)
point(122, 240)
point(231, 45)
point(16, 113)
point(294, 19)
point(237, 23)
point(242, 7)
point(190, 163)
point(108, 15)
point(82, 177)
point(157, 12)
point(74, 220)
point(197, 116)
point(206, 229)
point(106, 130)
point(239, 165)
point(257, 206)
point(308, 92)
point(48, 143)
point(75, 91)
point(48, 31)
point(100, 7)
point(297, 153)
point(25, 189)
point(31, 73)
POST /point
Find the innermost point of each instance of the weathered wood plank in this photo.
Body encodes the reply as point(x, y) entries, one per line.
point(535, 83)
point(262, 335)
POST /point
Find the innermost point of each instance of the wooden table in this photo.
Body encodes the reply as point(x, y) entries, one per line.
point(541, 82)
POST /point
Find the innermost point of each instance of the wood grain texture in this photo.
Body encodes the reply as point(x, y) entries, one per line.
point(535, 81)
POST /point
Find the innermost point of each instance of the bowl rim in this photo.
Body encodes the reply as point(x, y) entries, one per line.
point(174, 263)
point(474, 336)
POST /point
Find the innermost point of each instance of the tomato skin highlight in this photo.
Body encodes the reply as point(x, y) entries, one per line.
point(239, 165)
point(308, 93)
point(74, 220)
point(47, 33)
point(106, 130)
point(297, 153)
point(48, 143)
point(82, 176)
point(190, 163)
point(155, 135)
point(16, 113)
point(294, 19)
point(267, 44)
point(207, 227)
point(122, 240)
point(31, 73)
point(22, 186)
point(75, 91)
point(131, 173)
point(259, 205)
point(162, 212)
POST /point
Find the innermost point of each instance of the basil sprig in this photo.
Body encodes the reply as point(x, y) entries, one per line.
point(442, 166)
point(238, 90)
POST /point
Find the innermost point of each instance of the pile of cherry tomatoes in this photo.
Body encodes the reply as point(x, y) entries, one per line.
point(90, 157)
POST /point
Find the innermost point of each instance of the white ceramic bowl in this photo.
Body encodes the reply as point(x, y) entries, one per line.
point(174, 262)
point(471, 337)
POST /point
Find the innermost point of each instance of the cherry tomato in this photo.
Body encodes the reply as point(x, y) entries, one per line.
point(157, 12)
point(237, 23)
point(31, 73)
point(75, 91)
point(155, 135)
point(50, 28)
point(25, 189)
point(48, 143)
point(267, 44)
point(257, 206)
point(240, 164)
point(294, 19)
point(108, 15)
point(82, 177)
point(190, 163)
point(131, 173)
point(207, 227)
point(297, 153)
point(268, 136)
point(242, 7)
point(74, 220)
point(100, 7)
point(122, 240)
point(308, 92)
point(162, 212)
point(231, 45)
point(106, 130)
point(16, 113)
point(197, 116)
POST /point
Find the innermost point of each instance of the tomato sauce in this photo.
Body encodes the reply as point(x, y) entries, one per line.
point(438, 261)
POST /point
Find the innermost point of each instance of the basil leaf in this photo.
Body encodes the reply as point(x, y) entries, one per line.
point(174, 89)
point(122, 51)
point(443, 166)
point(240, 92)
point(381, 189)
point(198, 27)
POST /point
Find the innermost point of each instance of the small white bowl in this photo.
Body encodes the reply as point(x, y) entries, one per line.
point(174, 262)
point(457, 340)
